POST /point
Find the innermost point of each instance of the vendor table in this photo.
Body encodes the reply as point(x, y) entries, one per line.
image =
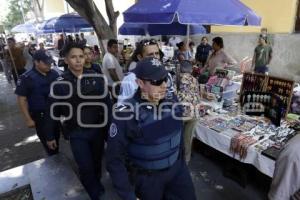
point(221, 142)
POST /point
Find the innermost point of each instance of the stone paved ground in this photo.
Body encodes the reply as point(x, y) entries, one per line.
point(19, 145)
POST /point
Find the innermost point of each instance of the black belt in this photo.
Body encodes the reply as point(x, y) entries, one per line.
point(140, 170)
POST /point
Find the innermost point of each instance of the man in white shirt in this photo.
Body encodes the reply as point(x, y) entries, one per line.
point(173, 41)
point(111, 66)
point(146, 48)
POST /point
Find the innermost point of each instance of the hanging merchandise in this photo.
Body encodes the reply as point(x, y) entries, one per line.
point(278, 87)
point(267, 104)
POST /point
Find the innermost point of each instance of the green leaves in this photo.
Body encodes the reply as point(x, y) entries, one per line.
point(14, 16)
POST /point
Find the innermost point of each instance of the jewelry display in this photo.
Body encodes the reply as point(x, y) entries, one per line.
point(258, 83)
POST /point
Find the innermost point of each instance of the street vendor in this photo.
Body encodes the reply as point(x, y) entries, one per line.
point(218, 58)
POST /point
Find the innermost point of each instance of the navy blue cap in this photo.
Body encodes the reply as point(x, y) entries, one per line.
point(150, 69)
point(42, 55)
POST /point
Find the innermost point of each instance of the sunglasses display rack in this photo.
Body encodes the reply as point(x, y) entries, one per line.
point(263, 103)
point(255, 103)
point(257, 83)
point(253, 82)
point(284, 90)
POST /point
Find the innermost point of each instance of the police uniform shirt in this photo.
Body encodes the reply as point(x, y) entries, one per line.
point(89, 86)
point(36, 87)
point(123, 132)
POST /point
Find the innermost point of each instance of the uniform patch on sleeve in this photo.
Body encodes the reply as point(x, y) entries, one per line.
point(113, 130)
point(59, 78)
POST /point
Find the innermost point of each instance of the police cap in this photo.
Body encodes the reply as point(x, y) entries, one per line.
point(42, 55)
point(150, 68)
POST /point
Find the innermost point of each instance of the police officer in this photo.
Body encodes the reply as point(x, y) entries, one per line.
point(145, 151)
point(33, 90)
point(83, 102)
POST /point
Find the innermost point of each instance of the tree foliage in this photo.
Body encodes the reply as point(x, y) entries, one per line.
point(14, 16)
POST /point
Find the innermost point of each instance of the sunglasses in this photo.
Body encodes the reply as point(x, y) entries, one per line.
point(157, 82)
point(148, 42)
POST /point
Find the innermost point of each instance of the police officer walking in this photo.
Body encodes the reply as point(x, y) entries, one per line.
point(83, 101)
point(145, 150)
point(33, 89)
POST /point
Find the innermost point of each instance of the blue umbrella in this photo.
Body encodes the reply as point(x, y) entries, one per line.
point(65, 23)
point(133, 29)
point(25, 28)
point(205, 12)
point(47, 26)
point(160, 29)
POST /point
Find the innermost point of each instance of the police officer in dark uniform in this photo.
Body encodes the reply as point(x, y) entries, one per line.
point(145, 150)
point(33, 89)
point(83, 101)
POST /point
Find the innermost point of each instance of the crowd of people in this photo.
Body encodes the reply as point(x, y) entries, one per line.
point(93, 103)
point(43, 98)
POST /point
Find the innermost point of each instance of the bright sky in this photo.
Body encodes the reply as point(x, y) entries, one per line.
point(4, 9)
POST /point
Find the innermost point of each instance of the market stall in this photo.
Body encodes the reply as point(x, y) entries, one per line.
point(251, 137)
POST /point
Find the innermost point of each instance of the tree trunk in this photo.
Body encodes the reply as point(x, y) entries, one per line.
point(112, 16)
point(38, 10)
point(88, 10)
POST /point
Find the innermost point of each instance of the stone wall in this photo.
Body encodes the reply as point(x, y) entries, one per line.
point(286, 51)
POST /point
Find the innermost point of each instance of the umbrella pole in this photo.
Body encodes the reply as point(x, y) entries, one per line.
point(188, 34)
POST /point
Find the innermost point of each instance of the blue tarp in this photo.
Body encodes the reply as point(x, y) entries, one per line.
point(160, 29)
point(205, 12)
point(65, 23)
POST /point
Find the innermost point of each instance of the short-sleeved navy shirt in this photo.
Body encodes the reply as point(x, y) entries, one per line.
point(36, 87)
point(96, 68)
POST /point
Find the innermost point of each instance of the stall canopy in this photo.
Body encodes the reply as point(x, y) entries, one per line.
point(65, 23)
point(28, 27)
point(205, 12)
point(160, 29)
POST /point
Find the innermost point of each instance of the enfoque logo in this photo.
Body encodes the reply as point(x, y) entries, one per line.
point(133, 109)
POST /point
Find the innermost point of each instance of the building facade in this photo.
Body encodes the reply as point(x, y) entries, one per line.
point(278, 16)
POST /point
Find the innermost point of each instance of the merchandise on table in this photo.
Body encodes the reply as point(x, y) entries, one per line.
point(213, 122)
point(275, 137)
point(239, 144)
point(233, 109)
point(263, 135)
point(245, 124)
point(221, 126)
point(263, 103)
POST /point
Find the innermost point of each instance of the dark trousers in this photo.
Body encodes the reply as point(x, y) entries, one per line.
point(39, 120)
point(261, 69)
point(203, 62)
point(19, 72)
point(174, 183)
point(87, 146)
